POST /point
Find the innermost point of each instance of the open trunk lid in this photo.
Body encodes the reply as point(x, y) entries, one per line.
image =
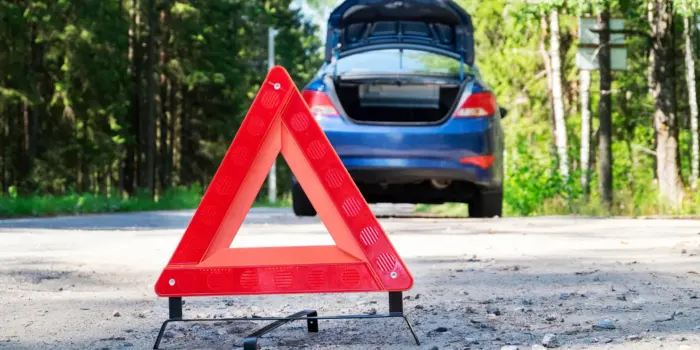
point(439, 26)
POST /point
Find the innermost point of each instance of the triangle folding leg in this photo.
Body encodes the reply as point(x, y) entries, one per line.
point(362, 259)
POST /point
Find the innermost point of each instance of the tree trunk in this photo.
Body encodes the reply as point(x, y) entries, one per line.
point(172, 104)
point(665, 123)
point(558, 93)
point(585, 131)
point(692, 101)
point(3, 148)
point(548, 71)
point(25, 163)
point(185, 130)
point(150, 96)
point(605, 157)
point(37, 73)
point(163, 148)
point(131, 162)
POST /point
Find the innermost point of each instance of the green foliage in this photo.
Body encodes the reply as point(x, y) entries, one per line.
point(77, 112)
point(75, 204)
point(686, 8)
point(508, 36)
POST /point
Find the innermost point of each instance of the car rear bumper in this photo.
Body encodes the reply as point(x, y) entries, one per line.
point(411, 170)
point(406, 154)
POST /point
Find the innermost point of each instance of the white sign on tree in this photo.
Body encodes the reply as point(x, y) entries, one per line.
point(589, 44)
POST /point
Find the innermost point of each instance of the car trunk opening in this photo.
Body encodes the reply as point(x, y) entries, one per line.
point(357, 25)
point(403, 103)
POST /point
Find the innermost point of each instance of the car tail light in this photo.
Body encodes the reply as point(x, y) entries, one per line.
point(480, 161)
point(319, 103)
point(480, 104)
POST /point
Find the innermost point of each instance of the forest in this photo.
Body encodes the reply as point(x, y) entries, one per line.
point(119, 105)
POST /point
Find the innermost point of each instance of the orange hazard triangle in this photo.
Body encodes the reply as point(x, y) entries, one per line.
point(363, 259)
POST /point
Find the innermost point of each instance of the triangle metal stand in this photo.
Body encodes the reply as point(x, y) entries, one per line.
point(251, 342)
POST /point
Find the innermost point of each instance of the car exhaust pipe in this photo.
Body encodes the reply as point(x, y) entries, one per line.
point(440, 184)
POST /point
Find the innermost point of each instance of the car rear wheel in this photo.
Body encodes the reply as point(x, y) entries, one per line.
point(300, 202)
point(486, 204)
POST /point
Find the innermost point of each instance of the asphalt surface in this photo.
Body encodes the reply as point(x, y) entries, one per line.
point(87, 283)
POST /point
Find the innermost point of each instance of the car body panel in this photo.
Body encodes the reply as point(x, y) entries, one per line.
point(419, 147)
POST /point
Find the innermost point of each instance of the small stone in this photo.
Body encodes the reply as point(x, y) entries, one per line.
point(459, 270)
point(127, 345)
point(471, 341)
point(551, 318)
point(684, 251)
point(590, 340)
point(660, 338)
point(441, 329)
point(564, 296)
point(682, 339)
point(371, 311)
point(550, 341)
point(116, 314)
point(60, 289)
point(470, 310)
point(634, 337)
point(669, 318)
point(622, 297)
point(141, 315)
point(526, 301)
point(463, 292)
point(169, 335)
point(491, 318)
point(419, 307)
point(604, 324)
point(606, 340)
point(493, 310)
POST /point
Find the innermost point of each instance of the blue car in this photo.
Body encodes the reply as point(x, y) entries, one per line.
point(401, 101)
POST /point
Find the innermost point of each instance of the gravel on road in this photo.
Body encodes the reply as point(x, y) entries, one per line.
point(511, 283)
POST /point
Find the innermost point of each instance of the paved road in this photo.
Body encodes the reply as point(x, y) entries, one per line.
point(87, 282)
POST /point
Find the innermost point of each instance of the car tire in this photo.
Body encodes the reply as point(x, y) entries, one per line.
point(300, 202)
point(486, 204)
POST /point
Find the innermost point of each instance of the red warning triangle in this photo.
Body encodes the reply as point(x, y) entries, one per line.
point(363, 259)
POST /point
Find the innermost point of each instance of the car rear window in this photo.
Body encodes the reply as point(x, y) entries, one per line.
point(393, 61)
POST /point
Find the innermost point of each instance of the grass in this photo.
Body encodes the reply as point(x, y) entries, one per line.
point(77, 204)
point(626, 204)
